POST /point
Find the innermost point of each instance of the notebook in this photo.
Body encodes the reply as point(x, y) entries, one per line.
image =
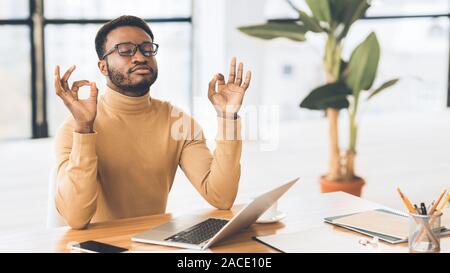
point(389, 226)
point(316, 239)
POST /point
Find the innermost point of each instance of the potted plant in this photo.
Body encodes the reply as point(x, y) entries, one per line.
point(345, 80)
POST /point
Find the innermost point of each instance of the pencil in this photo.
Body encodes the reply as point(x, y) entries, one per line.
point(433, 209)
point(433, 220)
point(406, 201)
point(445, 202)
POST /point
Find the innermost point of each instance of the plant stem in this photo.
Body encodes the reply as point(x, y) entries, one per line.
point(332, 62)
point(351, 151)
point(353, 125)
point(335, 164)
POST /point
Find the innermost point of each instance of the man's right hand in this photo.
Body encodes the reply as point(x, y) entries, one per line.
point(83, 111)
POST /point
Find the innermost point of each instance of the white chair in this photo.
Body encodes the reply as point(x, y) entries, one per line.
point(54, 219)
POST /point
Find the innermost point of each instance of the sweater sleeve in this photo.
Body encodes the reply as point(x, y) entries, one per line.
point(215, 176)
point(76, 174)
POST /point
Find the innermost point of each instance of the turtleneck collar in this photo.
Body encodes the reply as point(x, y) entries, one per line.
point(127, 104)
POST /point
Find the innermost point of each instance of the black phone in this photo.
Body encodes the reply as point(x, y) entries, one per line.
point(97, 247)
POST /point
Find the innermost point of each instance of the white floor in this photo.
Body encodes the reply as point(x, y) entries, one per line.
point(407, 150)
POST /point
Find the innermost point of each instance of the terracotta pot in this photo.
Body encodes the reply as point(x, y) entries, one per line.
point(353, 186)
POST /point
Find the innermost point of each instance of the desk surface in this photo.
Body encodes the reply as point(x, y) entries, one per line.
point(302, 213)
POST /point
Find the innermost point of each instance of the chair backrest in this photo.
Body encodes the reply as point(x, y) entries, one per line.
point(54, 219)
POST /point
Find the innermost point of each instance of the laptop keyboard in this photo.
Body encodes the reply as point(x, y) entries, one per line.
point(199, 233)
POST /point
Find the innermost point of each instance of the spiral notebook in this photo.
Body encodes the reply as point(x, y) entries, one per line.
point(389, 226)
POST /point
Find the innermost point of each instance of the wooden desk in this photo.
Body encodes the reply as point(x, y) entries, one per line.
point(302, 213)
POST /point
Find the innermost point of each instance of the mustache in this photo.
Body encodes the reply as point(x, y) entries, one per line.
point(140, 65)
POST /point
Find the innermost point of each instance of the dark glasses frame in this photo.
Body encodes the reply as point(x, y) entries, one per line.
point(141, 48)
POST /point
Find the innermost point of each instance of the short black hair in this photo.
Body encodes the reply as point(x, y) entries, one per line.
point(124, 20)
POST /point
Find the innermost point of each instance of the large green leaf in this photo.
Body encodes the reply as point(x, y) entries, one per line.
point(320, 9)
point(333, 95)
point(351, 10)
point(347, 11)
point(311, 23)
point(363, 64)
point(383, 87)
point(271, 30)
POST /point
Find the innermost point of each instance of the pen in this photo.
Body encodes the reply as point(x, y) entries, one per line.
point(423, 209)
point(410, 208)
point(417, 209)
point(439, 211)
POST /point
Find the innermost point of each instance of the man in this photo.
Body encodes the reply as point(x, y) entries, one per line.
point(117, 155)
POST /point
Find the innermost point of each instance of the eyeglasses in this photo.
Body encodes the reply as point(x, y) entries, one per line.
point(129, 49)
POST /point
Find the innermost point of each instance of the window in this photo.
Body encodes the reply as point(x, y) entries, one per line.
point(15, 75)
point(416, 51)
point(14, 9)
point(408, 7)
point(99, 9)
point(414, 40)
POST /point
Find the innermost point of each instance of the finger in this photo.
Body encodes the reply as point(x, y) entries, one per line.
point(239, 74)
point(94, 90)
point(232, 75)
point(65, 96)
point(58, 77)
point(58, 88)
point(68, 73)
point(220, 79)
point(212, 87)
point(76, 85)
point(66, 76)
point(248, 77)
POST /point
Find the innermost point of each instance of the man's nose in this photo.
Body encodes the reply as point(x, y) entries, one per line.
point(138, 57)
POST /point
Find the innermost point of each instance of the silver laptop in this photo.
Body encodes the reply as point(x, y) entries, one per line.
point(200, 232)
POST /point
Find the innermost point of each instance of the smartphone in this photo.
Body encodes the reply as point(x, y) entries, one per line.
point(97, 247)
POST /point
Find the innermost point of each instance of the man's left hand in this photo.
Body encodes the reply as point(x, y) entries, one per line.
point(227, 97)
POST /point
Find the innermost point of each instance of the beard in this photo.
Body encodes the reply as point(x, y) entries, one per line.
point(126, 85)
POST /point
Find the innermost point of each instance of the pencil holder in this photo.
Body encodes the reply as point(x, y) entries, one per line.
point(424, 232)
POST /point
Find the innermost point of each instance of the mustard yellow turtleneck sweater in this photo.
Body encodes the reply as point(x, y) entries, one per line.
point(127, 166)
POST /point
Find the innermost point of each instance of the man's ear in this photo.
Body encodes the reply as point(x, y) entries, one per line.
point(102, 66)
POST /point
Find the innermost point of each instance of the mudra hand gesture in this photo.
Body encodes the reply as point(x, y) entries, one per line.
point(227, 97)
point(83, 111)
